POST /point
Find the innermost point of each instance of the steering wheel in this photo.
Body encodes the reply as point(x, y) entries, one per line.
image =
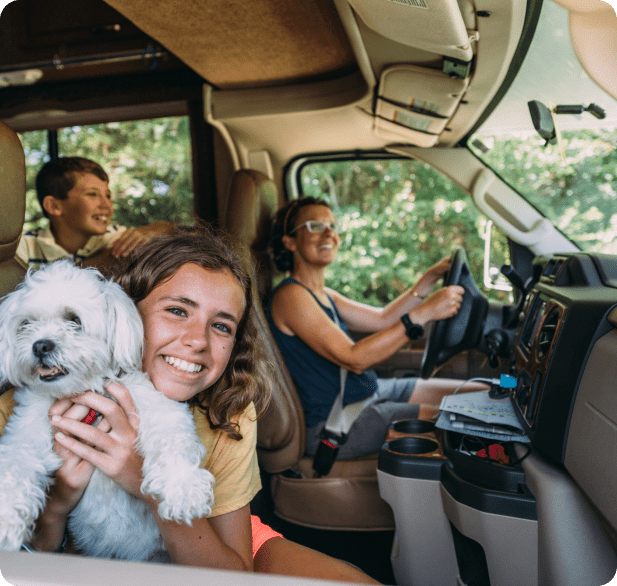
point(450, 336)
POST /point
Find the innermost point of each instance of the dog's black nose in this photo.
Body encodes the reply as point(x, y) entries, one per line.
point(42, 347)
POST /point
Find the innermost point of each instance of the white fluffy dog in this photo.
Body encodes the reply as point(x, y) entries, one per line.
point(63, 331)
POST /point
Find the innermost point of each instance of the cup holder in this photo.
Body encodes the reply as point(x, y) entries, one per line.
point(412, 446)
point(413, 426)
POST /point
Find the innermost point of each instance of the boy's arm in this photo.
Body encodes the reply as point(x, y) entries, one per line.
point(133, 238)
point(129, 240)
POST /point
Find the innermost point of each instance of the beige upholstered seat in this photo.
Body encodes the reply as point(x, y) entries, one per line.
point(13, 206)
point(348, 498)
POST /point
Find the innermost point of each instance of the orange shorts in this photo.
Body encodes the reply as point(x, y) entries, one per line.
point(261, 533)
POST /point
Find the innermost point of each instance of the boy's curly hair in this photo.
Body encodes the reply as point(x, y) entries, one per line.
point(244, 380)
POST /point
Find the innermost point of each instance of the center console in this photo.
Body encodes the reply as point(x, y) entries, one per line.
point(457, 513)
point(564, 315)
point(470, 520)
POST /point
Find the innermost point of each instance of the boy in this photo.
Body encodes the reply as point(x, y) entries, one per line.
point(74, 194)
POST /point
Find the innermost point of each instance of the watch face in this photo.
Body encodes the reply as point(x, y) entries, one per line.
point(415, 332)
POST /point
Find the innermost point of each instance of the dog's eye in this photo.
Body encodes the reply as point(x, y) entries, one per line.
point(70, 316)
point(24, 324)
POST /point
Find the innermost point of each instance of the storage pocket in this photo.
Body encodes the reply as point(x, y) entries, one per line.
point(414, 103)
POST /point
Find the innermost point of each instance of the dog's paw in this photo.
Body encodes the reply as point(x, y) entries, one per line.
point(17, 515)
point(13, 531)
point(184, 495)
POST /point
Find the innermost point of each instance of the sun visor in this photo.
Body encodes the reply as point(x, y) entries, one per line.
point(414, 103)
point(432, 25)
point(594, 38)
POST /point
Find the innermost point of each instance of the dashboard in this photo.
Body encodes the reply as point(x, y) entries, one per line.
point(563, 317)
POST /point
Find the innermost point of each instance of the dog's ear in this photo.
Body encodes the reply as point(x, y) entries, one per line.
point(4, 339)
point(126, 331)
point(8, 309)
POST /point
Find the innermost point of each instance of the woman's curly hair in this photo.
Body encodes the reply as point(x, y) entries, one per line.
point(245, 379)
point(283, 222)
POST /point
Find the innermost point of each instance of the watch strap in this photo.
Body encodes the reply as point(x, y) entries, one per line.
point(413, 331)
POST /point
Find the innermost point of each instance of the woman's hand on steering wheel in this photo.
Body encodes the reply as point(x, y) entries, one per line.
point(442, 304)
point(460, 330)
point(439, 269)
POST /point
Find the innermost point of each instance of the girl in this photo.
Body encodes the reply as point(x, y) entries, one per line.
point(195, 300)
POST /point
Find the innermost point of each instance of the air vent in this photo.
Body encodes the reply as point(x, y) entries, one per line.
point(547, 332)
point(558, 265)
point(551, 269)
point(548, 270)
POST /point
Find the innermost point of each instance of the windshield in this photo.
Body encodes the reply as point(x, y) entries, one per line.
point(573, 182)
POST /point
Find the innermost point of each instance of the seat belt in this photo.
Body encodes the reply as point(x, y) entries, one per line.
point(339, 422)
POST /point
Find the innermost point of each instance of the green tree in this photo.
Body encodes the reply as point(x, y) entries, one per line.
point(398, 217)
point(573, 183)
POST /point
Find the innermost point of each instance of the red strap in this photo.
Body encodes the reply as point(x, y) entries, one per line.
point(90, 418)
point(495, 452)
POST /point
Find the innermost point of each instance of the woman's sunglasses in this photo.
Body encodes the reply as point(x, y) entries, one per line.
point(316, 227)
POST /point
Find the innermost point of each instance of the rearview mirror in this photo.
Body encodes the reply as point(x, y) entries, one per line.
point(543, 122)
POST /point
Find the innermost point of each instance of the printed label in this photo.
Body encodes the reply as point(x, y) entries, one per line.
point(412, 3)
point(411, 121)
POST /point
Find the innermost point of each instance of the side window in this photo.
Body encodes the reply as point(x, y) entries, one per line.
point(398, 217)
point(35, 146)
point(148, 163)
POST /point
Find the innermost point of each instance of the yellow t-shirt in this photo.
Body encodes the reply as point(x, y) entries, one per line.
point(232, 463)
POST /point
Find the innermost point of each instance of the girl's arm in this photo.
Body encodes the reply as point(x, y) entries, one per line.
point(70, 483)
point(223, 542)
point(295, 312)
point(360, 317)
point(219, 542)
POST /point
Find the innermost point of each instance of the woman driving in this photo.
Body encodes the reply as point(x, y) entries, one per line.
point(310, 324)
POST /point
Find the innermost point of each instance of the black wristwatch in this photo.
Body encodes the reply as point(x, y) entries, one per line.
point(413, 331)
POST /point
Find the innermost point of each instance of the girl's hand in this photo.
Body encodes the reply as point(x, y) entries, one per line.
point(110, 448)
point(442, 304)
point(72, 478)
point(70, 482)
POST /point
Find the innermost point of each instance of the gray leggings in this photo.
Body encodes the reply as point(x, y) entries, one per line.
point(368, 432)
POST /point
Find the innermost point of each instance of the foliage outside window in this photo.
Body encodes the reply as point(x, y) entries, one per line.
point(575, 188)
point(148, 163)
point(397, 218)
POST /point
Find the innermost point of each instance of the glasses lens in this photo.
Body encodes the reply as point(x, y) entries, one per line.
point(317, 227)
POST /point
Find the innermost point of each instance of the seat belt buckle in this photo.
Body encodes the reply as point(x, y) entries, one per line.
point(327, 451)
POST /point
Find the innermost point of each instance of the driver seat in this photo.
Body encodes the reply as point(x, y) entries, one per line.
point(348, 498)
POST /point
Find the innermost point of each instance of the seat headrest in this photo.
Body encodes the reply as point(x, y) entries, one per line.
point(253, 200)
point(13, 206)
point(12, 191)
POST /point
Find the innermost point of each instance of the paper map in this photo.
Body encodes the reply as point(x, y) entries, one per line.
point(478, 414)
